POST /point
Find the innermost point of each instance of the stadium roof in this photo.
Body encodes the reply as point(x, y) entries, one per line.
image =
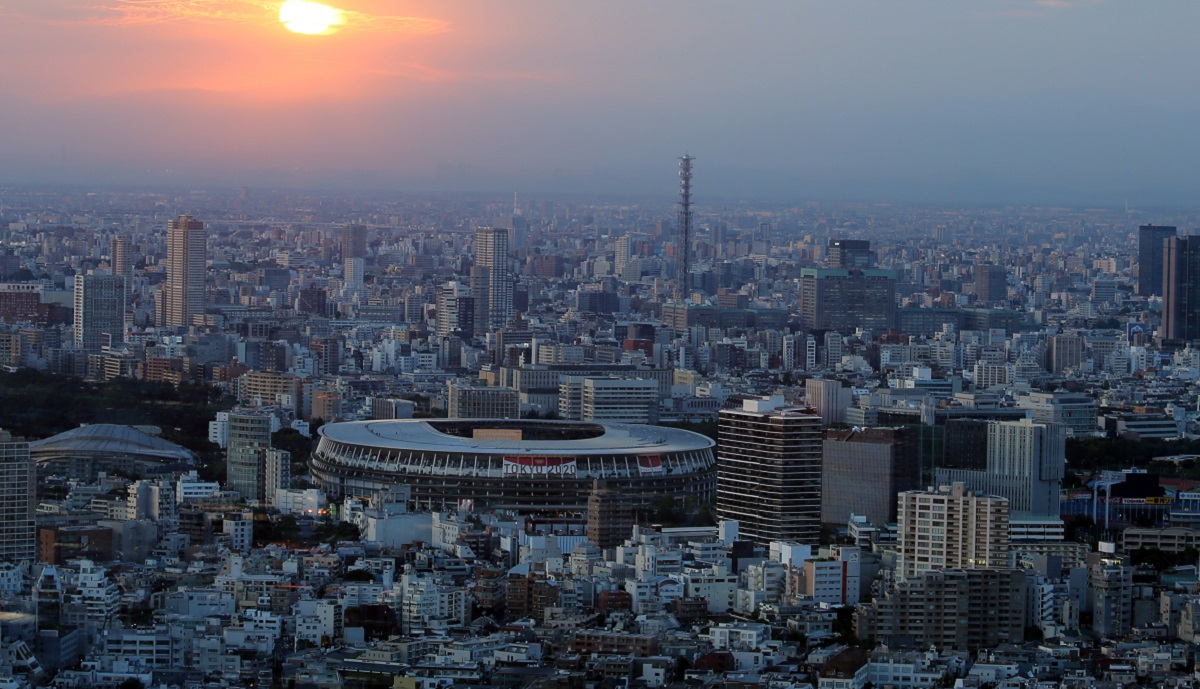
point(108, 438)
point(416, 434)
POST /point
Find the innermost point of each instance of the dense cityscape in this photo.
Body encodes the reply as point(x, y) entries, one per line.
point(273, 438)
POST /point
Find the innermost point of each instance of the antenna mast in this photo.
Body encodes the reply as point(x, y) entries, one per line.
point(685, 224)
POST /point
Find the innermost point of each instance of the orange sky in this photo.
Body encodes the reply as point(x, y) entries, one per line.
point(885, 97)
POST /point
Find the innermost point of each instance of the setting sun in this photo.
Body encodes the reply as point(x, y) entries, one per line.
point(306, 17)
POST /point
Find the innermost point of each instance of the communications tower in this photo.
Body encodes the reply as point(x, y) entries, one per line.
point(685, 224)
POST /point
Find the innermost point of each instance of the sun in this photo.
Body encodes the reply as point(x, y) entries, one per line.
point(306, 17)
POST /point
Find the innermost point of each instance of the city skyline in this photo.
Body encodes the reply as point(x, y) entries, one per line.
point(990, 102)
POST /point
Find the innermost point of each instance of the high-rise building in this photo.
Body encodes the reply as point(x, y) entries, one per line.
point(1025, 465)
point(354, 271)
point(277, 467)
point(769, 471)
point(1150, 258)
point(354, 241)
point(863, 469)
point(829, 398)
point(18, 476)
point(99, 311)
point(455, 310)
point(1064, 352)
point(621, 256)
point(1181, 289)
point(119, 256)
point(950, 527)
point(845, 300)
point(249, 440)
point(991, 283)
point(491, 284)
point(183, 294)
point(850, 253)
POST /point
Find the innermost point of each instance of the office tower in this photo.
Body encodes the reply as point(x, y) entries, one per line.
point(769, 471)
point(950, 527)
point(829, 398)
point(850, 253)
point(119, 257)
point(99, 311)
point(619, 400)
point(863, 469)
point(846, 300)
point(1064, 352)
point(1181, 289)
point(1150, 258)
point(277, 465)
point(455, 310)
point(353, 271)
point(467, 401)
point(17, 499)
point(1025, 465)
point(182, 296)
point(991, 283)
point(621, 256)
point(491, 284)
point(354, 241)
point(249, 440)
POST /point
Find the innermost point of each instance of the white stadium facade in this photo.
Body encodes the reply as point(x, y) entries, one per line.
point(523, 465)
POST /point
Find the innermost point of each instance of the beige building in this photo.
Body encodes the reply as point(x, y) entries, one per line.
point(183, 295)
point(950, 527)
point(467, 401)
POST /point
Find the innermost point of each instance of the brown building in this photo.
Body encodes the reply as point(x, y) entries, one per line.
point(58, 544)
point(610, 516)
point(862, 472)
point(597, 642)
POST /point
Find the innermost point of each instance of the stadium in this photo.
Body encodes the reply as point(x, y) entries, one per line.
point(522, 465)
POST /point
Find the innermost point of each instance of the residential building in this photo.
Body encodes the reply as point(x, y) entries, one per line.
point(769, 471)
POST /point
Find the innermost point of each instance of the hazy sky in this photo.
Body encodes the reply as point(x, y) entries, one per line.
point(1067, 101)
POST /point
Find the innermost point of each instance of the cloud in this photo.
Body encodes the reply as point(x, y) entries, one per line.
point(150, 12)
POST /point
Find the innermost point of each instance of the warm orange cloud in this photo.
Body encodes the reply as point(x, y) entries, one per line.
point(265, 12)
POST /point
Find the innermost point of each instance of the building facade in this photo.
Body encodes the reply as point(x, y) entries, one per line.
point(769, 471)
point(950, 527)
point(183, 295)
point(1150, 258)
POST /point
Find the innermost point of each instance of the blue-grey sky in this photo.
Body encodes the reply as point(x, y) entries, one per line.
point(977, 101)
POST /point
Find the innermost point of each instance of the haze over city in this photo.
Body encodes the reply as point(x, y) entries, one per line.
point(1014, 101)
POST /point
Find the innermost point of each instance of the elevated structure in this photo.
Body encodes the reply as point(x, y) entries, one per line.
point(519, 464)
point(685, 224)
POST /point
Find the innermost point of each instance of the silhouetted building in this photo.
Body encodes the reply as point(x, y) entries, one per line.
point(1150, 258)
point(863, 470)
point(991, 283)
point(1181, 289)
point(850, 253)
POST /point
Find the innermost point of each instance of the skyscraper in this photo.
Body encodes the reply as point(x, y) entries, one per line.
point(991, 283)
point(354, 241)
point(769, 471)
point(1150, 258)
point(183, 296)
point(246, 454)
point(455, 310)
point(1181, 289)
point(491, 284)
point(119, 256)
point(17, 497)
point(99, 311)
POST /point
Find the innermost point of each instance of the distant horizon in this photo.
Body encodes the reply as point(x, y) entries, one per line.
point(1073, 103)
